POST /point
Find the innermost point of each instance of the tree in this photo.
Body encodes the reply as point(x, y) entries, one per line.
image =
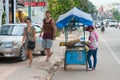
point(58, 7)
point(116, 14)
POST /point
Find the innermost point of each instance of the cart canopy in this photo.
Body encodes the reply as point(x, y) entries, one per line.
point(77, 14)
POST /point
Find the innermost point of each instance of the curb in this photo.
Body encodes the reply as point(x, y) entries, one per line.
point(53, 69)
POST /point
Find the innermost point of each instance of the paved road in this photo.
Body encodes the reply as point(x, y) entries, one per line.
point(108, 67)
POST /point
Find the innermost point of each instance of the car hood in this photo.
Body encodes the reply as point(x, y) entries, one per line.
point(10, 38)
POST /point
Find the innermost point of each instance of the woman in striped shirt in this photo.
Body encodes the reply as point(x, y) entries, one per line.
point(93, 47)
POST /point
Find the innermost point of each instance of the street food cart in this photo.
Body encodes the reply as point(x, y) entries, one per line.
point(75, 52)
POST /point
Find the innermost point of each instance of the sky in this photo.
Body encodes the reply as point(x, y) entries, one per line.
point(103, 2)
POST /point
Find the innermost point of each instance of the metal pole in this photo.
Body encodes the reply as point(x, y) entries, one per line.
point(14, 11)
point(66, 33)
point(12, 6)
point(29, 9)
point(1, 11)
point(7, 11)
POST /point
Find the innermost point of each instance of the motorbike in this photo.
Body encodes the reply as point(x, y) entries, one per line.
point(102, 29)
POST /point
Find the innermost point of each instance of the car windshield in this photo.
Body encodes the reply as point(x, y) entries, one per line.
point(12, 30)
point(113, 21)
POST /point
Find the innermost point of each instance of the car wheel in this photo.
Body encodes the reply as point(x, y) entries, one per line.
point(43, 53)
point(22, 54)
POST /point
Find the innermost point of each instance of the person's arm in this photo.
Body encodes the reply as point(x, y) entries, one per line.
point(91, 39)
point(96, 36)
point(23, 39)
point(41, 32)
point(54, 29)
point(34, 35)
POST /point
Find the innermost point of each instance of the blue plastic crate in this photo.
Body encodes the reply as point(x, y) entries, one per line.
point(75, 57)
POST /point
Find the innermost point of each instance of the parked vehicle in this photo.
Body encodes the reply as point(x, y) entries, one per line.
point(11, 41)
point(113, 23)
point(97, 24)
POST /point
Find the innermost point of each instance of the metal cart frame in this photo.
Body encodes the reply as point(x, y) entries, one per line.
point(80, 53)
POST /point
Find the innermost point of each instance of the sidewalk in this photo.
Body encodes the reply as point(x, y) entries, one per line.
point(40, 69)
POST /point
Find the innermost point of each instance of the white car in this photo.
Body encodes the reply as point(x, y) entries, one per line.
point(97, 24)
point(113, 23)
point(11, 41)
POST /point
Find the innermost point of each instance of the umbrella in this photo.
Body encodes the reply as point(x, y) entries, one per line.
point(77, 14)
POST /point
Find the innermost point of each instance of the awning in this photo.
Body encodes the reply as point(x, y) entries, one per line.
point(77, 14)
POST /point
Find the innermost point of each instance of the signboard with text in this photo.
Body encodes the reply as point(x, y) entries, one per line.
point(34, 4)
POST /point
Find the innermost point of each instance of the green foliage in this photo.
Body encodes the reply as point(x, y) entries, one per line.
point(58, 33)
point(116, 14)
point(58, 7)
point(3, 18)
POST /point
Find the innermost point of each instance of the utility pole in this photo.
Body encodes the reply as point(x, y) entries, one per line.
point(13, 11)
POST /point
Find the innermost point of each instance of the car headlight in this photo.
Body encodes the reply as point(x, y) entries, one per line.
point(9, 44)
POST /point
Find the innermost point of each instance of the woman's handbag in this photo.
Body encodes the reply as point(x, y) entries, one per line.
point(31, 44)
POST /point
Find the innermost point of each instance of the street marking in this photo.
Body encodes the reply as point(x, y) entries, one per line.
point(116, 58)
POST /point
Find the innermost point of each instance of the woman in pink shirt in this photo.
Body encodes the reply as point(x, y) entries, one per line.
point(93, 47)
